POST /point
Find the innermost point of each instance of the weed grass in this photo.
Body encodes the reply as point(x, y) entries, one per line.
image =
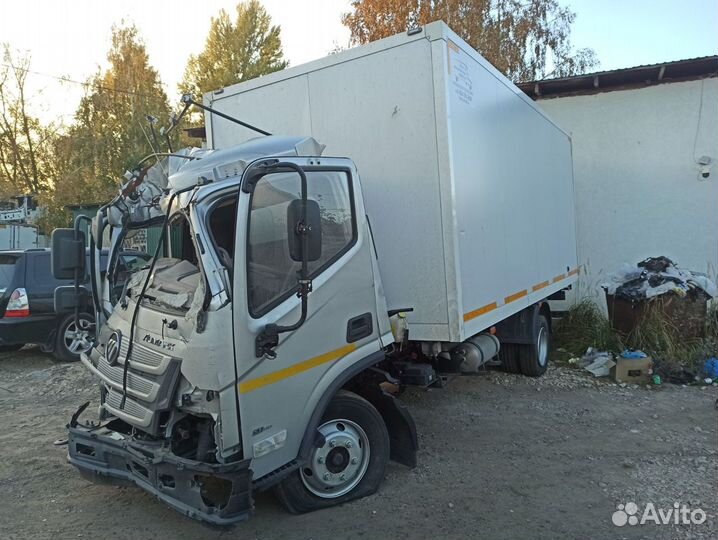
point(586, 326)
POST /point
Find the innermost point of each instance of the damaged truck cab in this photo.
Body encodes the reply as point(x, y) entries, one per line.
point(206, 391)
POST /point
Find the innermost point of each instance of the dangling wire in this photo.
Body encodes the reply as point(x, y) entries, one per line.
point(139, 298)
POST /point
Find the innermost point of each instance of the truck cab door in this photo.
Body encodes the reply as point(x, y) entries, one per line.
point(277, 395)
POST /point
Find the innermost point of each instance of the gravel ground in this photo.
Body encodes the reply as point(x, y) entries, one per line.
point(502, 456)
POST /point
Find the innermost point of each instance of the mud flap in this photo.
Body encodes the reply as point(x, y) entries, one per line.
point(399, 422)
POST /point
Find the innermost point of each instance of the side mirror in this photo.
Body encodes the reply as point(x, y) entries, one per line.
point(68, 254)
point(67, 299)
point(312, 227)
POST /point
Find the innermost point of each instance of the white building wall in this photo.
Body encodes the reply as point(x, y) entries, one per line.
point(638, 187)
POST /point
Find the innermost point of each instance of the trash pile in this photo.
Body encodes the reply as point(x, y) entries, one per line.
point(636, 367)
point(656, 276)
point(631, 366)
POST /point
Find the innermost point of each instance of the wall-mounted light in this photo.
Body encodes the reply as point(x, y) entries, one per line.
point(704, 165)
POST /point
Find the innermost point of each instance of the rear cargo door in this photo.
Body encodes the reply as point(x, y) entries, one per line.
point(278, 395)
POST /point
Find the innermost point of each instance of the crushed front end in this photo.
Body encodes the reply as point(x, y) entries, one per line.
point(157, 430)
point(217, 493)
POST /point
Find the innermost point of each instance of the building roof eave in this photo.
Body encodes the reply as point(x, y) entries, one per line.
point(622, 79)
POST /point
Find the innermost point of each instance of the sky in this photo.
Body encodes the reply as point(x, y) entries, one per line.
point(70, 38)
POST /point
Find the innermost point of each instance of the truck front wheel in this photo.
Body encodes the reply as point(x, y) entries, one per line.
point(348, 465)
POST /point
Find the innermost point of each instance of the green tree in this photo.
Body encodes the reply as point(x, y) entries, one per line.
point(524, 39)
point(111, 132)
point(235, 51)
point(26, 146)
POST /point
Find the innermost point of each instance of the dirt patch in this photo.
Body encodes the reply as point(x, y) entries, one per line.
point(502, 456)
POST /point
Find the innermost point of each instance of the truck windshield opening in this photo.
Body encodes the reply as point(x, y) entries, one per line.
point(177, 274)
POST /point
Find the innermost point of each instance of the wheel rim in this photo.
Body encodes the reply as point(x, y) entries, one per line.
point(542, 343)
point(77, 340)
point(339, 465)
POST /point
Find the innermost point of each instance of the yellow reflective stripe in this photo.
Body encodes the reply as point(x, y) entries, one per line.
point(295, 369)
point(540, 286)
point(485, 309)
point(515, 296)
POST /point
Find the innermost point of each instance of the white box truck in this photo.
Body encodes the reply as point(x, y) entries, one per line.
point(18, 236)
point(292, 295)
point(467, 184)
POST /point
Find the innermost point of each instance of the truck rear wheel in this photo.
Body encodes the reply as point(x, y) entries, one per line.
point(509, 356)
point(534, 357)
point(349, 465)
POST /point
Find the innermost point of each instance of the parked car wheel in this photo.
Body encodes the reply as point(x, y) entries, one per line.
point(349, 465)
point(534, 357)
point(73, 339)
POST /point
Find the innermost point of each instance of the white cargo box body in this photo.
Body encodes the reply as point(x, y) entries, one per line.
point(468, 185)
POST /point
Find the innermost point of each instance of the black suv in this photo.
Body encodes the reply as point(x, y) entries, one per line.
point(27, 307)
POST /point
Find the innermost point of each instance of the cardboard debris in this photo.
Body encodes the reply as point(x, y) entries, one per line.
point(598, 363)
point(601, 367)
point(633, 370)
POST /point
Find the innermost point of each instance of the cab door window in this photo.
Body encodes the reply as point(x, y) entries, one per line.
point(271, 273)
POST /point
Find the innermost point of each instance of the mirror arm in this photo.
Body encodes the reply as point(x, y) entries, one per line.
point(78, 237)
point(268, 338)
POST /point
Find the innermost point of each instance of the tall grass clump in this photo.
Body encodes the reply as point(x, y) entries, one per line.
point(656, 335)
point(586, 326)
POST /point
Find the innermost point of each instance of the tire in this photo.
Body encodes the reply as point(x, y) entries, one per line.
point(67, 348)
point(349, 419)
point(534, 357)
point(11, 348)
point(509, 356)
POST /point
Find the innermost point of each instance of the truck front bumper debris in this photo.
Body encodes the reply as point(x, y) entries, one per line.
point(219, 494)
